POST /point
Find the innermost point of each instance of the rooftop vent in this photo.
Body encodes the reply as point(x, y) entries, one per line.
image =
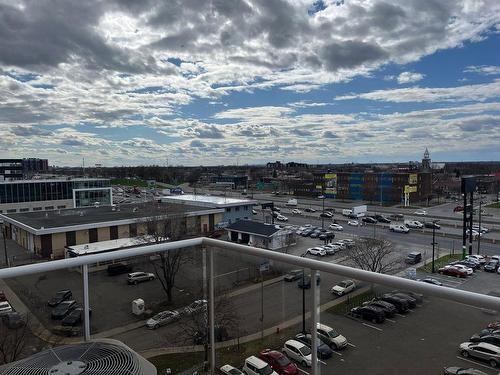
point(104, 356)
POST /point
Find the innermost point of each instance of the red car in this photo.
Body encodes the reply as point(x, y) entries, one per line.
point(452, 271)
point(494, 325)
point(279, 362)
point(458, 209)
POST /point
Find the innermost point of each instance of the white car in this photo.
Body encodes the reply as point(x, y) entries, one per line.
point(495, 257)
point(413, 224)
point(461, 267)
point(334, 226)
point(399, 228)
point(331, 249)
point(296, 211)
point(298, 352)
point(475, 233)
point(162, 318)
point(281, 218)
point(256, 366)
point(318, 251)
point(478, 258)
point(331, 337)
point(5, 308)
point(344, 287)
point(420, 213)
point(483, 229)
point(230, 370)
point(139, 277)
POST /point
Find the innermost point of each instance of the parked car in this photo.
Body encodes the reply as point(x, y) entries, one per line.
point(326, 214)
point(328, 235)
point(493, 338)
point(467, 263)
point(63, 309)
point(309, 209)
point(430, 280)
point(60, 296)
point(462, 371)
point(334, 226)
point(293, 275)
point(256, 366)
point(400, 304)
point(2, 296)
point(412, 302)
point(13, 320)
point(413, 224)
point(396, 217)
point(369, 312)
point(353, 223)
point(323, 349)
point(305, 282)
point(118, 269)
point(458, 209)
point(318, 251)
point(195, 307)
point(73, 318)
point(477, 257)
point(162, 318)
point(281, 218)
point(388, 308)
point(432, 225)
point(297, 351)
point(482, 229)
point(493, 325)
point(331, 249)
point(469, 271)
point(230, 370)
point(452, 271)
point(5, 308)
point(343, 287)
point(399, 228)
point(414, 257)
point(278, 362)
point(491, 266)
point(418, 297)
point(139, 277)
point(296, 211)
point(253, 213)
point(331, 337)
point(369, 220)
point(481, 350)
point(420, 213)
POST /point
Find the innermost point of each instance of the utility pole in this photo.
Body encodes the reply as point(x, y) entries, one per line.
point(480, 228)
point(434, 223)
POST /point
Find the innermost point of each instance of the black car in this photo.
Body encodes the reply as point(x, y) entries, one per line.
point(324, 350)
point(307, 232)
point(412, 302)
point(430, 280)
point(326, 214)
point(388, 308)
point(73, 318)
point(13, 320)
point(491, 266)
point(369, 220)
point(397, 216)
point(400, 304)
point(382, 219)
point(493, 338)
point(293, 275)
point(118, 269)
point(63, 309)
point(60, 296)
point(305, 282)
point(431, 225)
point(371, 313)
point(416, 296)
point(309, 210)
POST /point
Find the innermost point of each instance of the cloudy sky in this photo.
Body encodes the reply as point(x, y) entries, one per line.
point(125, 82)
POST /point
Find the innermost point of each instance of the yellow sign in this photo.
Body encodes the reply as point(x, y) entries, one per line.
point(412, 179)
point(330, 183)
point(319, 187)
point(410, 189)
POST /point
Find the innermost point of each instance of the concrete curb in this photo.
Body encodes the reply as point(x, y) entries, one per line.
point(254, 336)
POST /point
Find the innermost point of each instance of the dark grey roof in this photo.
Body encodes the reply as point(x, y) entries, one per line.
point(253, 227)
point(103, 214)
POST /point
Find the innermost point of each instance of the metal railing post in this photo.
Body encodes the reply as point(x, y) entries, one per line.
point(86, 310)
point(314, 322)
point(211, 307)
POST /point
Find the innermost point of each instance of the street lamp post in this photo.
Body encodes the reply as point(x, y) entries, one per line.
point(480, 228)
point(434, 222)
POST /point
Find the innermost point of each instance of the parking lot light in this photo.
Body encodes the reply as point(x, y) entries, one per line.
point(434, 223)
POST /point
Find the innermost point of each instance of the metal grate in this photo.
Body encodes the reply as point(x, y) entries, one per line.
point(93, 358)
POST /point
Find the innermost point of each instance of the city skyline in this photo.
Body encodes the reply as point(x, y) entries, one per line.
point(250, 82)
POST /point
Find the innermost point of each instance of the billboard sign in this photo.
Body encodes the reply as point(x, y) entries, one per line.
point(331, 184)
point(410, 189)
point(412, 179)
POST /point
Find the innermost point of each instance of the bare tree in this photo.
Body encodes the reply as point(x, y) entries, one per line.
point(12, 342)
point(376, 255)
point(167, 222)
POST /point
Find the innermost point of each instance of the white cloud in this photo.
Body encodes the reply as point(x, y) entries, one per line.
point(409, 77)
point(483, 69)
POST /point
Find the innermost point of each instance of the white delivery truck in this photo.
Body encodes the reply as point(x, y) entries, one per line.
point(291, 203)
point(346, 212)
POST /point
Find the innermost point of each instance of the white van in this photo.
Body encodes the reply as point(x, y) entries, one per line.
point(346, 212)
point(413, 224)
point(298, 352)
point(291, 203)
point(256, 366)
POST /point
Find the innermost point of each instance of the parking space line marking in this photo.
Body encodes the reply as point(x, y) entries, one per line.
point(410, 310)
point(368, 325)
point(401, 315)
point(305, 372)
point(320, 361)
point(390, 320)
point(351, 344)
point(337, 353)
point(476, 363)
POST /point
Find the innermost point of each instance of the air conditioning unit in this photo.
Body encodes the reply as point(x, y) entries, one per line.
point(96, 357)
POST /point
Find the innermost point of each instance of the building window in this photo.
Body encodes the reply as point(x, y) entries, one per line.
point(237, 208)
point(93, 237)
point(228, 209)
point(11, 211)
point(61, 207)
point(133, 230)
point(113, 232)
point(49, 207)
point(70, 238)
point(24, 210)
point(37, 208)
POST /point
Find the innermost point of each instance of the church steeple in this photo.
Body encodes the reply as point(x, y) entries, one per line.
point(426, 161)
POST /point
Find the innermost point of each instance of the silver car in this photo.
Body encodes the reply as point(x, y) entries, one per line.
point(481, 350)
point(139, 277)
point(162, 318)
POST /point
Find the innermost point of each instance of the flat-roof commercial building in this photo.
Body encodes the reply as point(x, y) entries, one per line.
point(52, 194)
point(265, 236)
point(17, 169)
point(234, 208)
point(48, 233)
